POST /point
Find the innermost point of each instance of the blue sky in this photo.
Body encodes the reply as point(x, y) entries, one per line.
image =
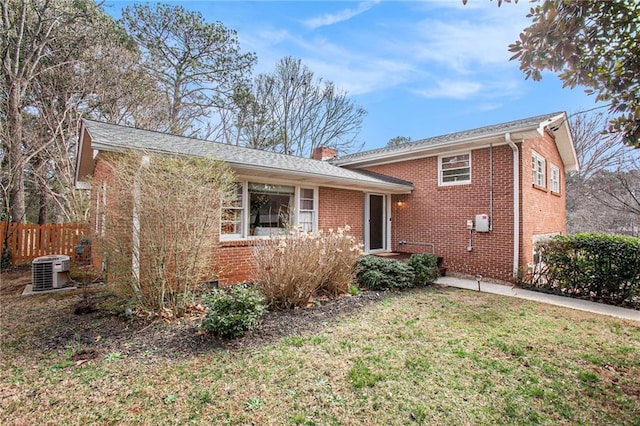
point(419, 68)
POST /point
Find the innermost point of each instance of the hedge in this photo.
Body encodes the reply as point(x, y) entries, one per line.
point(600, 267)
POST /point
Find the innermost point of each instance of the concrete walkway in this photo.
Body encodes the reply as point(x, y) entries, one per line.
point(567, 302)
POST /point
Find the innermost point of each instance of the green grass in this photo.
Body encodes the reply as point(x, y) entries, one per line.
point(421, 357)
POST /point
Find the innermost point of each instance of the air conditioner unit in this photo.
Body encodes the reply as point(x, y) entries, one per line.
point(49, 272)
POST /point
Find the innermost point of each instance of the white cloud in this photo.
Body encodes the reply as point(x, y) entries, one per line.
point(452, 89)
point(405, 52)
point(464, 45)
point(482, 88)
point(340, 16)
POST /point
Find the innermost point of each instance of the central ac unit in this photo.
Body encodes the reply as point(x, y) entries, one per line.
point(49, 272)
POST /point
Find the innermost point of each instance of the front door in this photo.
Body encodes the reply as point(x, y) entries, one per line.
point(376, 229)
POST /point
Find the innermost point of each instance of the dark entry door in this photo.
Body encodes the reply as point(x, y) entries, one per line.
point(376, 222)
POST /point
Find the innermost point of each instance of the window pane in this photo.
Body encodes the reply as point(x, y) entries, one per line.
point(231, 221)
point(306, 193)
point(306, 221)
point(270, 208)
point(306, 204)
point(266, 188)
point(455, 175)
point(237, 202)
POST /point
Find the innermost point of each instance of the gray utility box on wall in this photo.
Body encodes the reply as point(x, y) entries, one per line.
point(482, 223)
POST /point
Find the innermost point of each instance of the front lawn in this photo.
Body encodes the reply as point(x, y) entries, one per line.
point(425, 356)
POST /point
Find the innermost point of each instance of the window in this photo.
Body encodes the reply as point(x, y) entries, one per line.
point(267, 209)
point(455, 169)
point(232, 214)
point(306, 217)
point(539, 167)
point(554, 178)
point(270, 207)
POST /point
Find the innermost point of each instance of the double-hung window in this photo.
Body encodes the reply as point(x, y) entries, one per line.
point(307, 211)
point(539, 168)
point(554, 178)
point(454, 169)
point(232, 215)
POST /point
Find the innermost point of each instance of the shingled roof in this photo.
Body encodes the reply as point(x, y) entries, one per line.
point(529, 126)
point(116, 138)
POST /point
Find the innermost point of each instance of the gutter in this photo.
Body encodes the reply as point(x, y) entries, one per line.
point(516, 203)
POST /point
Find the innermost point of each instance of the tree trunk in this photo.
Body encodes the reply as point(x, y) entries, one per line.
point(16, 156)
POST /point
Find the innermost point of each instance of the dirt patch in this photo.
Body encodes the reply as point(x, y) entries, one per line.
point(91, 323)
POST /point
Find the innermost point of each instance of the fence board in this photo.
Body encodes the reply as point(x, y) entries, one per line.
point(26, 242)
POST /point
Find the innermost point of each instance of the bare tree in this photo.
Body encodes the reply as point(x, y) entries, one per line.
point(197, 65)
point(32, 36)
point(595, 148)
point(619, 191)
point(600, 198)
point(290, 112)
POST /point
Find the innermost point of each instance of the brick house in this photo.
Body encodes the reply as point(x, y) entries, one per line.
point(453, 195)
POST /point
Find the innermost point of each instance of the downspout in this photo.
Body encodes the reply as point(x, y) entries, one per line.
point(490, 187)
point(516, 203)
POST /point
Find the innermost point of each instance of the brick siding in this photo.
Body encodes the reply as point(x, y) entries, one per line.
point(438, 214)
point(542, 211)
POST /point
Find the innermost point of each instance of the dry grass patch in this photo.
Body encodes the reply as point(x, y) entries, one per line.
point(427, 356)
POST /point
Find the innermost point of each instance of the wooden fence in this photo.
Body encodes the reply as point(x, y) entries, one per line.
point(26, 242)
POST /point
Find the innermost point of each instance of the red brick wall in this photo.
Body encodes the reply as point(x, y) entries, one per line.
point(439, 214)
point(543, 212)
point(340, 207)
point(235, 261)
point(101, 174)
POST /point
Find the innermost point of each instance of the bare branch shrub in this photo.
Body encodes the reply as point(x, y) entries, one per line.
point(162, 226)
point(292, 269)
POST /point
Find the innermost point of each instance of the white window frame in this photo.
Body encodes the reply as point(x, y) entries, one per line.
point(299, 210)
point(554, 178)
point(441, 181)
point(295, 211)
point(539, 169)
point(242, 209)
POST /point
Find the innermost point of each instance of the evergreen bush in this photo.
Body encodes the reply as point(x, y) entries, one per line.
point(595, 266)
point(425, 267)
point(231, 312)
point(377, 273)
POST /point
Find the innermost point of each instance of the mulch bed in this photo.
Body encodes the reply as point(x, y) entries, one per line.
point(91, 323)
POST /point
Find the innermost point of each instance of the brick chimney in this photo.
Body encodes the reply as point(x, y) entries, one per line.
point(324, 153)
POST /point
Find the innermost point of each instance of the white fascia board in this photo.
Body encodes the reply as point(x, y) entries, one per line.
point(324, 180)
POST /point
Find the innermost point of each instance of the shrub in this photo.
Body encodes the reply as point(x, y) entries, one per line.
point(425, 267)
point(231, 312)
point(292, 269)
point(377, 273)
point(597, 266)
point(161, 221)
